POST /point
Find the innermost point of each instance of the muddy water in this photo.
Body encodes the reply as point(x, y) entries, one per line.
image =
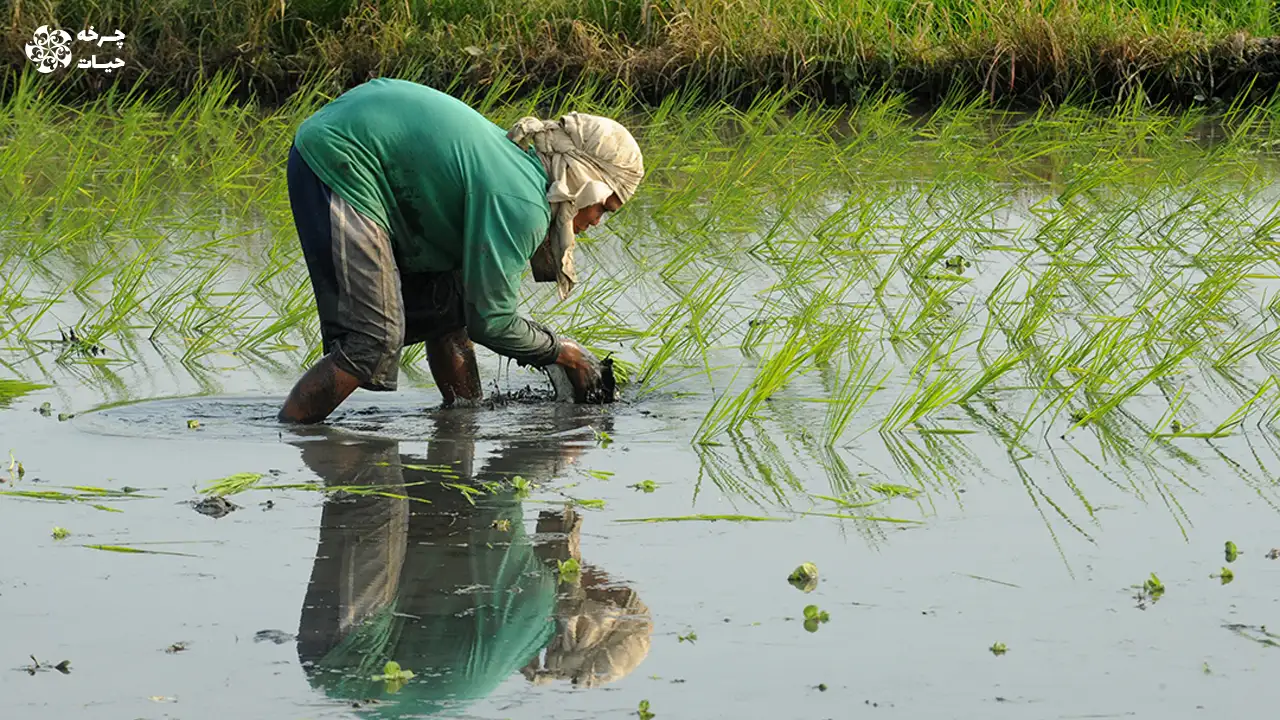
point(287, 606)
point(290, 604)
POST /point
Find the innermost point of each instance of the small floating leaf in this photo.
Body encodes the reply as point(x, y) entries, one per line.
point(999, 648)
point(645, 486)
point(393, 671)
point(643, 711)
point(1225, 575)
point(193, 424)
point(521, 486)
point(804, 578)
point(569, 570)
point(691, 638)
point(813, 617)
point(1151, 590)
point(60, 532)
point(1232, 552)
point(394, 675)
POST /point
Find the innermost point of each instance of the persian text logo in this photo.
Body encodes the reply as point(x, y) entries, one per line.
point(49, 49)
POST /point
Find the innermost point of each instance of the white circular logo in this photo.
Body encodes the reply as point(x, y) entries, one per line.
point(49, 49)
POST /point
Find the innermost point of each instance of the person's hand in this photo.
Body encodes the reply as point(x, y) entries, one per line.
point(584, 372)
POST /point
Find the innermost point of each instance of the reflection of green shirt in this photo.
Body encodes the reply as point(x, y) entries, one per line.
point(453, 192)
point(474, 606)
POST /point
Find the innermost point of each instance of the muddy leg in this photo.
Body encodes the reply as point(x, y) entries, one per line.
point(452, 359)
point(318, 392)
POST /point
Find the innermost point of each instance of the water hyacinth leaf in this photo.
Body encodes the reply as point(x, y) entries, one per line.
point(394, 676)
point(569, 571)
point(813, 617)
point(393, 671)
point(804, 578)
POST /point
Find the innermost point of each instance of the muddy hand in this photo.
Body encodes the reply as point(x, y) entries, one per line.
point(585, 373)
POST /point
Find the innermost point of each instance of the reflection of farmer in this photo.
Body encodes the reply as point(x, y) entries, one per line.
point(417, 217)
point(457, 593)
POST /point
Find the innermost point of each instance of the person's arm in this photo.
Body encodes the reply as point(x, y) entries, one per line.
point(501, 233)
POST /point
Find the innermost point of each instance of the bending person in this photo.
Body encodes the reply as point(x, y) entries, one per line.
point(417, 217)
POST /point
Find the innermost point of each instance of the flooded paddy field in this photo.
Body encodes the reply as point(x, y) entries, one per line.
point(1006, 381)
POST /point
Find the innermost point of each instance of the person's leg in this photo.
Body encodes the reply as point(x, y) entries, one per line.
point(325, 385)
point(452, 359)
point(434, 315)
point(318, 392)
point(357, 290)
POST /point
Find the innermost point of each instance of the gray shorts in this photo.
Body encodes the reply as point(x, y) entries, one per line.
point(368, 309)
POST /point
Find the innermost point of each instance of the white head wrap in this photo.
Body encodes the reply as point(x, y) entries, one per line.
point(587, 159)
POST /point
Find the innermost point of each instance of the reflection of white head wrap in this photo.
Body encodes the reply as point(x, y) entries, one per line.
point(587, 159)
point(596, 642)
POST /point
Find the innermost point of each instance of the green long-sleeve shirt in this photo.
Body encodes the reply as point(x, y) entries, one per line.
point(452, 192)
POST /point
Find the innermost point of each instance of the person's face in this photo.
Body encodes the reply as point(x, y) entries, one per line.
point(590, 216)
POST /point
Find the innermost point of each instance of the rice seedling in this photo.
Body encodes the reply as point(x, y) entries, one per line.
point(702, 518)
point(972, 284)
point(130, 550)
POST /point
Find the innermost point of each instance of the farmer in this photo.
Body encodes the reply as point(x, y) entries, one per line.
point(417, 217)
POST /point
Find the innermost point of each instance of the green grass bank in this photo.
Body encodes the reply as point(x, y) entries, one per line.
point(1016, 51)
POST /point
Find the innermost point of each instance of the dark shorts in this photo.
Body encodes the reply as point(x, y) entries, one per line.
point(368, 309)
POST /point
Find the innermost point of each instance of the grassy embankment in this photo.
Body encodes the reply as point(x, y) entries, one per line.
point(832, 50)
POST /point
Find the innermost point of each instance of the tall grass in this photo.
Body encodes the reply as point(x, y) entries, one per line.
point(835, 49)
